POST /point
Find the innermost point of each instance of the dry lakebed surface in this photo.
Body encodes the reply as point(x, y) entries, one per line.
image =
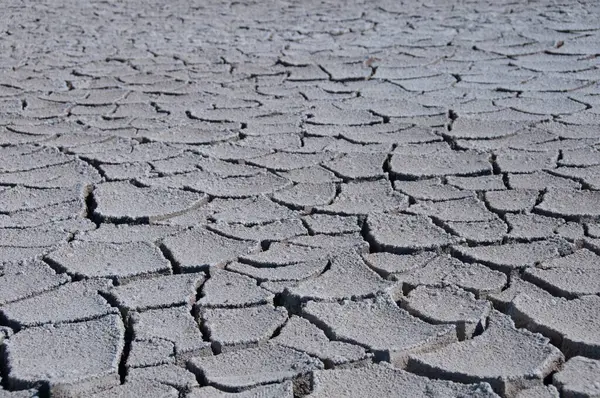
point(321, 199)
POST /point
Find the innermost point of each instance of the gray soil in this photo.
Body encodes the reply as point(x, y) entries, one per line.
point(300, 199)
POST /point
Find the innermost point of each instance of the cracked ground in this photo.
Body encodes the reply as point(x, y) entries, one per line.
point(314, 199)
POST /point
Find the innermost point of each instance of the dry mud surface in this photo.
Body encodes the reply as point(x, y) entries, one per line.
point(300, 199)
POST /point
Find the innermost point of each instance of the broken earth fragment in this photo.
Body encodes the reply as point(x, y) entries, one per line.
point(72, 302)
point(347, 278)
point(197, 249)
point(448, 305)
point(272, 232)
point(304, 195)
point(430, 189)
point(507, 358)
point(362, 198)
point(170, 375)
point(384, 381)
point(386, 264)
point(359, 166)
point(258, 211)
point(152, 352)
point(444, 270)
point(529, 227)
point(333, 242)
point(85, 354)
point(277, 390)
point(158, 292)
point(570, 204)
point(174, 324)
point(235, 328)
point(301, 335)
point(492, 231)
point(512, 256)
point(226, 289)
point(282, 254)
point(468, 209)
point(138, 388)
point(513, 200)
point(441, 163)
point(108, 260)
point(403, 233)
point(28, 278)
point(575, 275)
point(124, 233)
point(292, 272)
point(114, 200)
point(572, 325)
point(539, 392)
point(238, 370)
point(390, 332)
point(239, 187)
point(578, 378)
point(20, 198)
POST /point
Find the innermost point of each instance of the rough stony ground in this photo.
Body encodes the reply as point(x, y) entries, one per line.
point(300, 199)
